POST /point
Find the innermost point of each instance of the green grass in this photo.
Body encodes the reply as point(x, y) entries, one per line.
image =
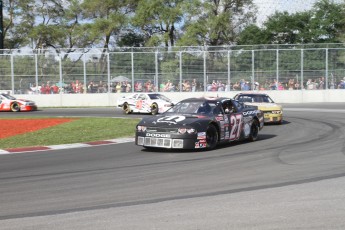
point(77, 131)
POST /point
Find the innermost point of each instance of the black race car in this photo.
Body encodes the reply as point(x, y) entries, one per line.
point(197, 123)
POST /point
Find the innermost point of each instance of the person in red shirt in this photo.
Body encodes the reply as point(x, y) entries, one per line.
point(43, 89)
point(55, 89)
point(47, 91)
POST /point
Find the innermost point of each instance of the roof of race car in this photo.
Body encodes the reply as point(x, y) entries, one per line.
point(251, 94)
point(205, 99)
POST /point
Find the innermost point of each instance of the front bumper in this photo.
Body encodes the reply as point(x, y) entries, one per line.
point(271, 118)
point(28, 108)
point(170, 142)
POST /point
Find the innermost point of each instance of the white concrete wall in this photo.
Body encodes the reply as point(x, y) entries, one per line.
point(87, 100)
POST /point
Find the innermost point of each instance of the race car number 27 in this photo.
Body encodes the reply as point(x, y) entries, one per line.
point(236, 122)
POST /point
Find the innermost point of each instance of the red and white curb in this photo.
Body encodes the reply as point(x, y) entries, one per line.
point(65, 146)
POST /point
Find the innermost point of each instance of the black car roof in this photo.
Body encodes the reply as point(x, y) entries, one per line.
point(208, 99)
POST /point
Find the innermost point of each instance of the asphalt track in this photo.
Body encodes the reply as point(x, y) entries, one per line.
point(293, 177)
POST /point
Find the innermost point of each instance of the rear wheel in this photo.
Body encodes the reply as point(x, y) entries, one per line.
point(154, 109)
point(254, 131)
point(15, 107)
point(211, 137)
point(126, 108)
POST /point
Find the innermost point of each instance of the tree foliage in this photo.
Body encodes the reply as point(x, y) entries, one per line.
point(216, 22)
point(44, 24)
point(324, 23)
point(158, 20)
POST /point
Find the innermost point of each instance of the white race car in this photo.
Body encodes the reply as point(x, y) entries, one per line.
point(153, 103)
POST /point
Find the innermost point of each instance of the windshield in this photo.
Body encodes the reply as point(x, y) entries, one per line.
point(159, 96)
point(8, 96)
point(255, 99)
point(193, 107)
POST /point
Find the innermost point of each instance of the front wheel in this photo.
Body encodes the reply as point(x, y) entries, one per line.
point(154, 109)
point(15, 107)
point(254, 131)
point(211, 137)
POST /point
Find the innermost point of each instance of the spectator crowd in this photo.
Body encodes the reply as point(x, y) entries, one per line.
point(186, 86)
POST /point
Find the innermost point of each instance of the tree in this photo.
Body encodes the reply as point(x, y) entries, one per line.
point(216, 22)
point(42, 19)
point(158, 20)
point(106, 18)
point(73, 27)
point(324, 23)
point(131, 39)
point(15, 34)
point(285, 28)
point(252, 35)
point(327, 22)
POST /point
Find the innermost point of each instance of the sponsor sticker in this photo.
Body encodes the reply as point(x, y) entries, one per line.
point(162, 135)
point(219, 118)
point(201, 135)
point(248, 113)
point(227, 135)
point(199, 145)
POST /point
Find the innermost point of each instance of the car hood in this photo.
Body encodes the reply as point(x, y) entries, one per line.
point(21, 100)
point(24, 100)
point(173, 120)
point(266, 106)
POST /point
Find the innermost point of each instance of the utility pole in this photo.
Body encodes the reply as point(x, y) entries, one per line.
point(1, 28)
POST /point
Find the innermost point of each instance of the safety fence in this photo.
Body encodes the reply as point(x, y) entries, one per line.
point(184, 70)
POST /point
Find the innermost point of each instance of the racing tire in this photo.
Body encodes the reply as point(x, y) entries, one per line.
point(15, 107)
point(211, 137)
point(154, 109)
point(254, 131)
point(126, 108)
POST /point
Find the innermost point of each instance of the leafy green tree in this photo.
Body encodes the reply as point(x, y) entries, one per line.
point(43, 20)
point(158, 20)
point(216, 22)
point(131, 39)
point(327, 22)
point(285, 28)
point(73, 28)
point(14, 33)
point(106, 18)
point(43, 24)
point(252, 35)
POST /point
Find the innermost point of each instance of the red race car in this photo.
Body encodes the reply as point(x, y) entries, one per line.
point(10, 103)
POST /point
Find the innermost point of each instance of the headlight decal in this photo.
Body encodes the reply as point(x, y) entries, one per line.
point(186, 130)
point(141, 128)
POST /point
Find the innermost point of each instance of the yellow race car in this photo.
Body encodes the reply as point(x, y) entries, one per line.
point(273, 113)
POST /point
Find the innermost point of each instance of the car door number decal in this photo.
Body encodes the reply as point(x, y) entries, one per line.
point(236, 122)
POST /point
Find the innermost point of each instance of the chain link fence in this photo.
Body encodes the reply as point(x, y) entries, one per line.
point(182, 69)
